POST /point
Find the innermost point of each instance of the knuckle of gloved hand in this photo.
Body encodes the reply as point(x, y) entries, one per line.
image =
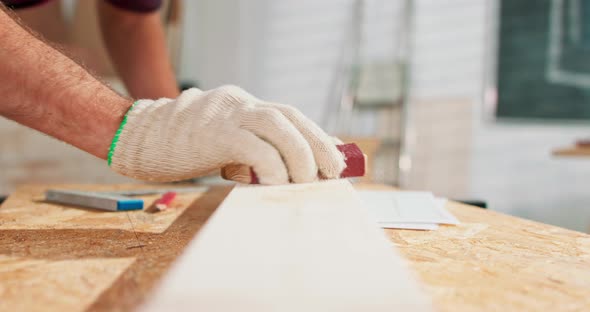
point(272, 116)
point(189, 94)
point(288, 109)
point(192, 91)
point(234, 91)
point(268, 160)
point(231, 95)
point(296, 115)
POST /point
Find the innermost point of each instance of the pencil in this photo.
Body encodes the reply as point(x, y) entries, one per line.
point(164, 202)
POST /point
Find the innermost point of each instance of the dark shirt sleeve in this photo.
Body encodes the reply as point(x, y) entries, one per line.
point(21, 4)
point(139, 6)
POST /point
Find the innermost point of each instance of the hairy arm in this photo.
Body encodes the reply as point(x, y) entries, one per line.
point(137, 46)
point(45, 90)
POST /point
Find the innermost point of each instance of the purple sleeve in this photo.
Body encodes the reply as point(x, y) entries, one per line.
point(139, 6)
point(21, 4)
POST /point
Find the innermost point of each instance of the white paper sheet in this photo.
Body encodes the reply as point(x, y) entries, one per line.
point(407, 210)
point(408, 226)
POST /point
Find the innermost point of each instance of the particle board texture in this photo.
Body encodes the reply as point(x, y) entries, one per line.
point(489, 262)
point(76, 236)
point(19, 213)
point(35, 282)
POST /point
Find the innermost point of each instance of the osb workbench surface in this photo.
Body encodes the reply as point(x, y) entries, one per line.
point(59, 258)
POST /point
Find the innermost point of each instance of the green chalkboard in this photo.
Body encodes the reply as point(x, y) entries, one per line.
point(544, 60)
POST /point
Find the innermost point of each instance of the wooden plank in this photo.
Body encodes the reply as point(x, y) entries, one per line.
point(574, 151)
point(306, 247)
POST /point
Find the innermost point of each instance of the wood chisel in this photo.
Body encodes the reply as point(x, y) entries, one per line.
point(95, 200)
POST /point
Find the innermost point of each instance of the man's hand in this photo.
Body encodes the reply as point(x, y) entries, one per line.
point(163, 140)
point(170, 140)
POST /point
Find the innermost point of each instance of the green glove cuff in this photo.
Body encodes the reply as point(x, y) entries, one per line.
point(117, 134)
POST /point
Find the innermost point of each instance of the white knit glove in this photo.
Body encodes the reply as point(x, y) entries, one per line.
point(198, 132)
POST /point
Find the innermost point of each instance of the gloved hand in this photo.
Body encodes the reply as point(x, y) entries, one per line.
point(198, 132)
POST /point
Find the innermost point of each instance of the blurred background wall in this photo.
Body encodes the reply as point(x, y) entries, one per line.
point(290, 51)
point(287, 51)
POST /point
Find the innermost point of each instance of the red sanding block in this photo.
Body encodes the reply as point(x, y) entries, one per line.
point(355, 160)
point(353, 157)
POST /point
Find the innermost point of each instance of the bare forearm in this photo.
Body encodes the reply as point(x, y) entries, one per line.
point(43, 89)
point(137, 46)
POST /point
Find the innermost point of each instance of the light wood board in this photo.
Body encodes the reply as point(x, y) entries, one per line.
point(298, 247)
point(574, 151)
